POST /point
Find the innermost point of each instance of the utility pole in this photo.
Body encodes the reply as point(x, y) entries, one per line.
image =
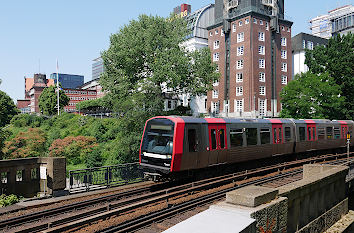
point(58, 89)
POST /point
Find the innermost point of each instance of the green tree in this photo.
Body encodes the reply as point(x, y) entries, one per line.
point(311, 96)
point(48, 100)
point(337, 59)
point(7, 109)
point(145, 59)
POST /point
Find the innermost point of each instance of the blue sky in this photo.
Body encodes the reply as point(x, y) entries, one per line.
point(76, 31)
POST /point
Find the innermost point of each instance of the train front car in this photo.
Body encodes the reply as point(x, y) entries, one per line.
point(161, 146)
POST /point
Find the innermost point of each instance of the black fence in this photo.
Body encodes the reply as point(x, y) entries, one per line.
point(104, 177)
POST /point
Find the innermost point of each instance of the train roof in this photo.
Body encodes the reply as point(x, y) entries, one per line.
point(195, 120)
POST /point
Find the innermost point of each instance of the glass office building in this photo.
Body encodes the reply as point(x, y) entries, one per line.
point(97, 68)
point(69, 81)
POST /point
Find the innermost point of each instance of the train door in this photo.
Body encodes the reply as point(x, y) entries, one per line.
point(217, 143)
point(222, 143)
point(192, 151)
point(277, 137)
point(311, 132)
point(344, 131)
point(311, 135)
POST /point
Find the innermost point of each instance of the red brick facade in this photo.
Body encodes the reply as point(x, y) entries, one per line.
point(35, 86)
point(76, 96)
point(250, 26)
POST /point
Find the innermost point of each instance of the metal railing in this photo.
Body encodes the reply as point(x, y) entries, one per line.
point(104, 177)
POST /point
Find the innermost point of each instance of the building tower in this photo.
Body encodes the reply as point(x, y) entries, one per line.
point(251, 43)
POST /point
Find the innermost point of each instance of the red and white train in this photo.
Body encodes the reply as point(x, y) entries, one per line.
point(171, 145)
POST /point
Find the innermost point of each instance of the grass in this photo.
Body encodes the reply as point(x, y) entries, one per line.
point(75, 167)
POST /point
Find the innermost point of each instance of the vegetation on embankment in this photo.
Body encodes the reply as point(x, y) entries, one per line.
point(84, 141)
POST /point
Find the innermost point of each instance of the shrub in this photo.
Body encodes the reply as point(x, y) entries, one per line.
point(75, 149)
point(27, 120)
point(30, 143)
point(8, 200)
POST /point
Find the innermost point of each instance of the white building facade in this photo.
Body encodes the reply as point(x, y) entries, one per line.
point(337, 21)
point(198, 21)
point(300, 43)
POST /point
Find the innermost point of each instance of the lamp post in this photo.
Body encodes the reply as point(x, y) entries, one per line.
point(58, 89)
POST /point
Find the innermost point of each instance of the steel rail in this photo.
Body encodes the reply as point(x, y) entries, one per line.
point(147, 219)
point(164, 197)
point(194, 186)
point(170, 211)
point(19, 220)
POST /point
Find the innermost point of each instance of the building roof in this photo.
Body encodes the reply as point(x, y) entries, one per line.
point(29, 83)
point(23, 103)
point(83, 86)
point(297, 41)
point(199, 20)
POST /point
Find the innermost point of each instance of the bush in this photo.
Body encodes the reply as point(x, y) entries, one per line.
point(75, 149)
point(30, 143)
point(27, 120)
point(94, 158)
point(8, 200)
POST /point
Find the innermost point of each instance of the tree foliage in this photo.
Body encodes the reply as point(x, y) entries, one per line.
point(75, 149)
point(30, 143)
point(3, 135)
point(48, 100)
point(311, 96)
point(146, 59)
point(337, 59)
point(95, 105)
point(7, 109)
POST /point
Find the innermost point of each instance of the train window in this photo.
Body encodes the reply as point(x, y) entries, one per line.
point(280, 135)
point(275, 135)
point(265, 136)
point(329, 132)
point(251, 136)
point(236, 137)
point(192, 140)
point(158, 138)
point(321, 133)
point(222, 138)
point(336, 133)
point(287, 134)
point(213, 139)
point(302, 133)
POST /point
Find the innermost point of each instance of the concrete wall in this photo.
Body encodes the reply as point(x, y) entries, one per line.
point(22, 176)
point(321, 189)
point(312, 204)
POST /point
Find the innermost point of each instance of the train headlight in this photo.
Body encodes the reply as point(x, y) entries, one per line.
point(169, 156)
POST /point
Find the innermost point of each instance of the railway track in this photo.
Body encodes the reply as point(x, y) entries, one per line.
point(72, 217)
point(138, 223)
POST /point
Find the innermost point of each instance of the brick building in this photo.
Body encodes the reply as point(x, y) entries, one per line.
point(76, 96)
point(24, 106)
point(34, 87)
point(251, 43)
point(93, 85)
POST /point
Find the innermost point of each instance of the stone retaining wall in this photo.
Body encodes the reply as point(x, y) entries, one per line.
point(22, 176)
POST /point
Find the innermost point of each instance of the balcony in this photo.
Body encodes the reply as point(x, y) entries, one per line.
point(230, 4)
point(270, 3)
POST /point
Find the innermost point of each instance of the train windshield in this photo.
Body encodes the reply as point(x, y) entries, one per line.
point(158, 137)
